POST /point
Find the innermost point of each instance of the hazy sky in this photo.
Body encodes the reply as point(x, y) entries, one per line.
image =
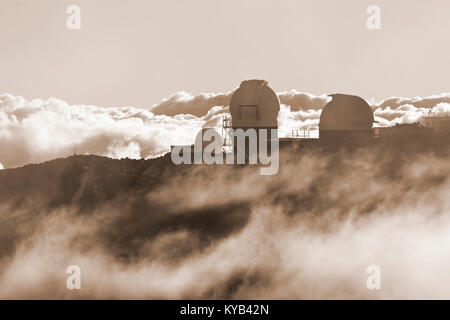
point(137, 52)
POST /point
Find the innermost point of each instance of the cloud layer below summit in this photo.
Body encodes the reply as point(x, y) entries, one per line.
point(40, 130)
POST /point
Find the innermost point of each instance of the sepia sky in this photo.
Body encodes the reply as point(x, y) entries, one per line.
point(137, 52)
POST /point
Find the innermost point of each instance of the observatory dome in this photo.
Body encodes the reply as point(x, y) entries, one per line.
point(346, 113)
point(254, 105)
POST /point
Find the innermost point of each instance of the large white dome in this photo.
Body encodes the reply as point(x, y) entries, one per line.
point(254, 105)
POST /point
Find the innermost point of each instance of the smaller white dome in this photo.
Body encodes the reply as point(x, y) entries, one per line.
point(346, 113)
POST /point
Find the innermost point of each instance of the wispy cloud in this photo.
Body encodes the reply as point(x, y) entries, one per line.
point(308, 232)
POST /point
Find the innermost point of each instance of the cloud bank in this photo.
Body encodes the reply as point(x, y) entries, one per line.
point(309, 232)
point(40, 130)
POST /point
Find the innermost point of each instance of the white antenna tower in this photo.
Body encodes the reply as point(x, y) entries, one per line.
point(227, 133)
